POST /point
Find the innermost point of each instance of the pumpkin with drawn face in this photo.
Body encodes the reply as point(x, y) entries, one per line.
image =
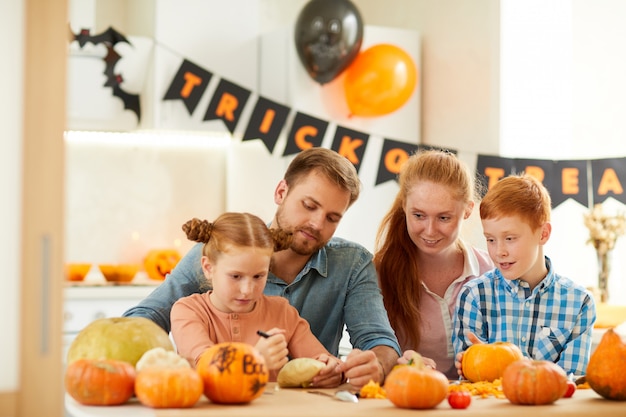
point(160, 262)
point(233, 373)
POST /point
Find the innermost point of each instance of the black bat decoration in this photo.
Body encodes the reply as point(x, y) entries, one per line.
point(110, 38)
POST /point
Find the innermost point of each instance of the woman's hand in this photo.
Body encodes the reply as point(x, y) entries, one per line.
point(409, 355)
point(273, 349)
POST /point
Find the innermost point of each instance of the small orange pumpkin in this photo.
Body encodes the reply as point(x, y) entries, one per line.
point(162, 387)
point(160, 262)
point(415, 386)
point(533, 382)
point(606, 371)
point(487, 361)
point(233, 373)
point(100, 381)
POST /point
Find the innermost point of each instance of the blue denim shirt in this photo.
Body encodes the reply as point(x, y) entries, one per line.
point(337, 286)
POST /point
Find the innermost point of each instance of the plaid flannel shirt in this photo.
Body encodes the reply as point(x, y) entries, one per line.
point(552, 322)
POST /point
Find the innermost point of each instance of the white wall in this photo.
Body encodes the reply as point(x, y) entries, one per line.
point(562, 98)
point(11, 40)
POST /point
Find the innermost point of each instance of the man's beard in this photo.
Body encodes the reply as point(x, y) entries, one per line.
point(306, 247)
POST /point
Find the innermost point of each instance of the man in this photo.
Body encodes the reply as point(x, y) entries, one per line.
point(329, 280)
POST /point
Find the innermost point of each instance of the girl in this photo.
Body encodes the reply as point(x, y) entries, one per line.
point(236, 259)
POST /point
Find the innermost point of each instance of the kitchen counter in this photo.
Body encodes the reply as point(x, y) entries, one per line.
point(297, 402)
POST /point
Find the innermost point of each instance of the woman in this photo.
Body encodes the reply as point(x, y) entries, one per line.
point(421, 260)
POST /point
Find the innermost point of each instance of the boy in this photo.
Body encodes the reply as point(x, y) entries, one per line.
point(523, 300)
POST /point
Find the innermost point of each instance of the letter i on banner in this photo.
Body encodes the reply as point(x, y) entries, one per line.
point(267, 121)
point(188, 85)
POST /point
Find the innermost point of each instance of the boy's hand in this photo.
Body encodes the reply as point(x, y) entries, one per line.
point(458, 360)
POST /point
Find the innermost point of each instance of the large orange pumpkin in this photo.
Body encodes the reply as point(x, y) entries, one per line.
point(160, 262)
point(415, 386)
point(162, 387)
point(606, 371)
point(233, 373)
point(487, 361)
point(100, 381)
point(533, 382)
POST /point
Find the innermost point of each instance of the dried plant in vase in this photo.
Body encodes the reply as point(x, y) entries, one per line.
point(603, 233)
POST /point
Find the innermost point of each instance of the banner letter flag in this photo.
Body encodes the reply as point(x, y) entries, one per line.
point(306, 132)
point(541, 169)
point(188, 85)
point(266, 122)
point(227, 104)
point(351, 144)
point(491, 169)
point(570, 182)
point(608, 177)
point(393, 155)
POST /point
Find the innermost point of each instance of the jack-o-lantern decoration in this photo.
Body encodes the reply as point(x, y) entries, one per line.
point(160, 262)
point(533, 382)
point(233, 373)
point(487, 361)
point(100, 381)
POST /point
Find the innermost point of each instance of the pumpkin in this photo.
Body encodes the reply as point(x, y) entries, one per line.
point(416, 386)
point(160, 262)
point(100, 381)
point(533, 382)
point(487, 361)
point(606, 371)
point(121, 338)
point(163, 387)
point(233, 373)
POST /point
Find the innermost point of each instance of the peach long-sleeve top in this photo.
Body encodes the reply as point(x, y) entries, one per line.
point(198, 325)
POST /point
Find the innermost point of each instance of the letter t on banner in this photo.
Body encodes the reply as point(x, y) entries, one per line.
point(188, 85)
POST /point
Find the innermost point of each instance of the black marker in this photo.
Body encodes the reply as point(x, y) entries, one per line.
point(263, 334)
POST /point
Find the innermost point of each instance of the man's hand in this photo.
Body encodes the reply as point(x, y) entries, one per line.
point(361, 367)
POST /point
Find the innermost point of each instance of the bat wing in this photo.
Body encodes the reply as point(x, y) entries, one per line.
point(109, 36)
point(131, 101)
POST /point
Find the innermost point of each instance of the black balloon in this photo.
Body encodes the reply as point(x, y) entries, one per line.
point(328, 37)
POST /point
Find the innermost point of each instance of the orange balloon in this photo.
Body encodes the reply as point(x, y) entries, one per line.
point(379, 80)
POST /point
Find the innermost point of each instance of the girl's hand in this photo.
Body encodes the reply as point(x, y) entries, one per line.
point(327, 376)
point(273, 349)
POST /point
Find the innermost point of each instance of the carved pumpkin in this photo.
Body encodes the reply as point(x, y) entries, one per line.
point(160, 262)
point(533, 382)
point(162, 387)
point(606, 371)
point(487, 361)
point(233, 373)
point(100, 381)
point(416, 386)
